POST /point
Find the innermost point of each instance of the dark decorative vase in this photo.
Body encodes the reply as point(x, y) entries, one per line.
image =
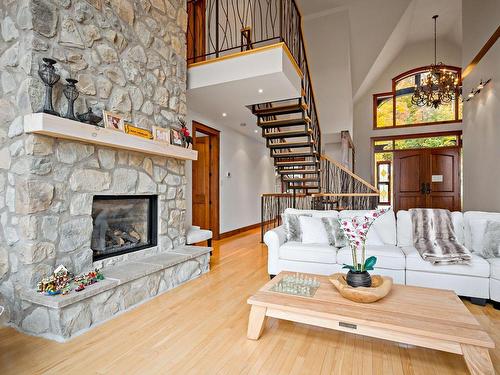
point(359, 278)
point(71, 93)
point(89, 117)
point(48, 75)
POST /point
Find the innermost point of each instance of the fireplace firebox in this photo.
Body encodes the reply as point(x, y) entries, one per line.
point(122, 224)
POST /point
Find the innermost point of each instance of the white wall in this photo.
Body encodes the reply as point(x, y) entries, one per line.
point(252, 174)
point(327, 43)
point(482, 113)
point(412, 56)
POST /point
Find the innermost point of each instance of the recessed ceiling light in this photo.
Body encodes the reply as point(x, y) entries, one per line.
point(255, 131)
point(261, 91)
point(224, 114)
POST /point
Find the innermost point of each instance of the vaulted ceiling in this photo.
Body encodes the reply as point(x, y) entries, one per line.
point(351, 42)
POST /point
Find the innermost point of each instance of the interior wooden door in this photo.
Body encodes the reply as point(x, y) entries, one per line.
point(410, 170)
point(201, 183)
point(196, 30)
point(444, 179)
point(427, 178)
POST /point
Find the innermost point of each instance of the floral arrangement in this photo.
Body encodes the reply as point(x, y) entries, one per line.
point(356, 230)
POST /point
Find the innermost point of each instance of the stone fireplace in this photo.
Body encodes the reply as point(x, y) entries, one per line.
point(129, 58)
point(123, 224)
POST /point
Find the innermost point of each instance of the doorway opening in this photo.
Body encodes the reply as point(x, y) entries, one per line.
point(205, 172)
point(419, 170)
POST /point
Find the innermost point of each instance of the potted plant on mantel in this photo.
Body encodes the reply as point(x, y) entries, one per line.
point(356, 230)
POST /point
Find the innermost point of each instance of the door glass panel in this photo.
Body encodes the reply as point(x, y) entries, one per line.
point(383, 145)
point(384, 193)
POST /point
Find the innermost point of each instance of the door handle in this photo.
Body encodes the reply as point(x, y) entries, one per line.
point(422, 188)
point(428, 188)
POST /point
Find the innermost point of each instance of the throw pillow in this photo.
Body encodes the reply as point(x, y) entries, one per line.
point(291, 225)
point(334, 231)
point(477, 232)
point(491, 240)
point(313, 230)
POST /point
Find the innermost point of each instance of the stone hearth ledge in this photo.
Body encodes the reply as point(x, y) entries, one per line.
point(126, 285)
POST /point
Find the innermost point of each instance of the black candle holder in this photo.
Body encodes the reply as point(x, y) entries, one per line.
point(89, 117)
point(48, 75)
point(71, 93)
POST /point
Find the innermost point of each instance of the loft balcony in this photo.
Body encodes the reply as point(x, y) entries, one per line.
point(250, 54)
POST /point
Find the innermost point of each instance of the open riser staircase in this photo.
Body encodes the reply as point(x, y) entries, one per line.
point(294, 145)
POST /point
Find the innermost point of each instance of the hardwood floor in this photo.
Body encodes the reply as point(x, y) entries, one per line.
point(200, 328)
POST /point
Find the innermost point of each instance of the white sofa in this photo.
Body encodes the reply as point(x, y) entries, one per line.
point(396, 256)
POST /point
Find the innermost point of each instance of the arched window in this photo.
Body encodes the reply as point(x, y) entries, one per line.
point(394, 109)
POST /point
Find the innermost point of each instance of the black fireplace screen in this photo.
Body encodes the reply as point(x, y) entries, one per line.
point(123, 224)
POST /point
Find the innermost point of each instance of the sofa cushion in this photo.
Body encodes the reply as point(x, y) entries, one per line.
point(494, 268)
point(477, 266)
point(315, 253)
point(405, 227)
point(313, 213)
point(313, 230)
point(385, 225)
point(476, 216)
point(388, 256)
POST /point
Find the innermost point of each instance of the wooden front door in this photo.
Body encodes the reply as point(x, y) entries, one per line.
point(428, 178)
point(196, 31)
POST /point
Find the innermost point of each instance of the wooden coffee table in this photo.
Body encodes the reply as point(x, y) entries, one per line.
point(430, 318)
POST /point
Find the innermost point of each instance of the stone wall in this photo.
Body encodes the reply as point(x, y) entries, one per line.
point(129, 58)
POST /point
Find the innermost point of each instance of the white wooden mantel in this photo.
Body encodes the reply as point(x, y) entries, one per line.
point(58, 127)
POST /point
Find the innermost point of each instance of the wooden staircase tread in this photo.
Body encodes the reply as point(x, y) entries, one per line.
point(300, 179)
point(288, 134)
point(297, 171)
point(287, 122)
point(295, 153)
point(281, 110)
point(295, 163)
point(291, 144)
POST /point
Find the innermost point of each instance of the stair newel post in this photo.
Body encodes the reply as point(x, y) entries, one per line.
point(294, 198)
point(217, 28)
point(262, 218)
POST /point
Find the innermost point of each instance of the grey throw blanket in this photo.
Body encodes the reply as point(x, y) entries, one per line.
point(434, 237)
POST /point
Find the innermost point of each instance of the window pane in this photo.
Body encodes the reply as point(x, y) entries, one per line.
point(383, 145)
point(408, 113)
point(405, 83)
point(428, 142)
point(384, 112)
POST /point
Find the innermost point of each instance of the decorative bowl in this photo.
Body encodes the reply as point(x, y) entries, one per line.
point(381, 286)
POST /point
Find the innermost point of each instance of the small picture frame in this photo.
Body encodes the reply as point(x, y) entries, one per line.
point(175, 137)
point(113, 121)
point(161, 134)
point(138, 132)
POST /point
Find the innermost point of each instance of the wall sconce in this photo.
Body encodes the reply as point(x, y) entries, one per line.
point(477, 90)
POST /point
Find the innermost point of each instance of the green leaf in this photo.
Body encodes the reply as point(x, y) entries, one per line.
point(348, 267)
point(370, 263)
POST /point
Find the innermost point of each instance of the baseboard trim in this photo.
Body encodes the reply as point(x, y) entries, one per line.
point(238, 231)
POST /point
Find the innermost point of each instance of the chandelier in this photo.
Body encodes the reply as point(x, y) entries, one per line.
point(438, 86)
